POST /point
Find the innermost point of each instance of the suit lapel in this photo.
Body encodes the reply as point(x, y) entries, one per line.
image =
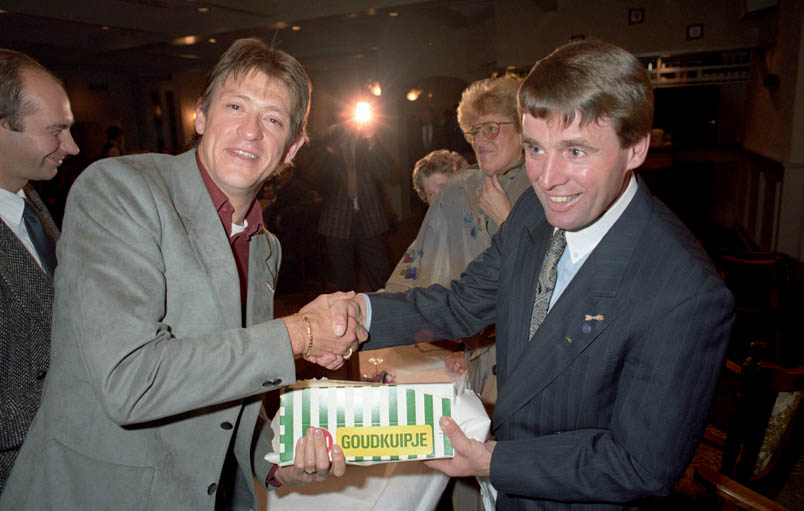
point(567, 331)
point(206, 235)
point(263, 262)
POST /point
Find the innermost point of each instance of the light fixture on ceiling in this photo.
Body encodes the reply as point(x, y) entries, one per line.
point(212, 40)
point(278, 25)
point(295, 28)
point(185, 41)
point(375, 88)
point(105, 27)
point(413, 94)
point(393, 14)
point(203, 10)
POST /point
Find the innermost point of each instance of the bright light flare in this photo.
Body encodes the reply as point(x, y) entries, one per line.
point(375, 88)
point(363, 112)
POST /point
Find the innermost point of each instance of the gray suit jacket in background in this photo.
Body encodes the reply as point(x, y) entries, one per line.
point(151, 373)
point(26, 303)
point(599, 413)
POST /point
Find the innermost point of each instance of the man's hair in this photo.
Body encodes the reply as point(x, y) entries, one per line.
point(14, 105)
point(488, 97)
point(246, 56)
point(441, 161)
point(597, 79)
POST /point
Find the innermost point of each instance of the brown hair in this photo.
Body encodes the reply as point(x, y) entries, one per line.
point(14, 105)
point(489, 96)
point(248, 55)
point(597, 79)
point(441, 161)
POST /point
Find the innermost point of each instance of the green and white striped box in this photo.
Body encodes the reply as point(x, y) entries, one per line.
point(373, 423)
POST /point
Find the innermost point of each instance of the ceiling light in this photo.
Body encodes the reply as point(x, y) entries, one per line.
point(413, 94)
point(185, 41)
point(375, 88)
point(295, 28)
point(105, 27)
point(393, 14)
point(279, 25)
point(212, 40)
point(203, 10)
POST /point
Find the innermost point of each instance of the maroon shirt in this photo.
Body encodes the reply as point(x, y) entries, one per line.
point(239, 242)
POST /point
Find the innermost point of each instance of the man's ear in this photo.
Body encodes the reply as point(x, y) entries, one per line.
point(638, 152)
point(200, 118)
point(293, 149)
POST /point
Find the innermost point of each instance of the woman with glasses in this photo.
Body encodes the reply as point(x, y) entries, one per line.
point(468, 211)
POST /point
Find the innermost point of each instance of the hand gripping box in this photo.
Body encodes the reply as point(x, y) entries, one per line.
point(375, 423)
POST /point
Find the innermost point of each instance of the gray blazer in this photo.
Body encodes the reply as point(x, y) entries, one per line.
point(26, 303)
point(151, 374)
point(591, 413)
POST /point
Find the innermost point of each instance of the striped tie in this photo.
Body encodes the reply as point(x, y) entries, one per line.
point(547, 280)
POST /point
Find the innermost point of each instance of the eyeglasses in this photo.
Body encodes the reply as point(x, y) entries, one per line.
point(489, 129)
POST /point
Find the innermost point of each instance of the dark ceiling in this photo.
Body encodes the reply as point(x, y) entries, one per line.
point(142, 37)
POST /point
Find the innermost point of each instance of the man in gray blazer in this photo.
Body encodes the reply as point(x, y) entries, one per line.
point(603, 391)
point(162, 332)
point(35, 120)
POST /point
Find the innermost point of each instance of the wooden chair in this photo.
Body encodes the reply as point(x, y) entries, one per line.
point(729, 495)
point(763, 287)
point(764, 439)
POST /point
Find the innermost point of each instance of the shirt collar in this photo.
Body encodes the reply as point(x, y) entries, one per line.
point(12, 205)
point(253, 220)
point(581, 243)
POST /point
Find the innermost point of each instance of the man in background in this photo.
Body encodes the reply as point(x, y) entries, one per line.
point(35, 120)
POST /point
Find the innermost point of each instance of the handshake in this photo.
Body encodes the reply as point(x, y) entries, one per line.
point(328, 330)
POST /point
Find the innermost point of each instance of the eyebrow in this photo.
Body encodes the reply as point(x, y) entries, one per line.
point(270, 106)
point(59, 125)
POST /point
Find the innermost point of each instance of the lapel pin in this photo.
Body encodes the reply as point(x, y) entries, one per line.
point(586, 329)
point(269, 286)
point(569, 340)
point(589, 317)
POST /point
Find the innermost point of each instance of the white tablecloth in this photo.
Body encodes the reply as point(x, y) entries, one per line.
point(403, 486)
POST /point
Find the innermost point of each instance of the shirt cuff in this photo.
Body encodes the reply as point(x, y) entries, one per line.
point(368, 311)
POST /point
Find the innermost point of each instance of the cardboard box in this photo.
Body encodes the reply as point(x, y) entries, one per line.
point(373, 423)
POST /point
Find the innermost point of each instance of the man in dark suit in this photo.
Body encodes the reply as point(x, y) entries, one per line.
point(608, 348)
point(353, 217)
point(35, 120)
point(163, 331)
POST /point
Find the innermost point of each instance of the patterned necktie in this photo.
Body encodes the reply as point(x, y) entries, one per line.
point(547, 280)
point(41, 241)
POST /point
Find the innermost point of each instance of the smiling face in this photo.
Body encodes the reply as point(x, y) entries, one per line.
point(499, 153)
point(432, 186)
point(245, 133)
point(577, 172)
point(35, 153)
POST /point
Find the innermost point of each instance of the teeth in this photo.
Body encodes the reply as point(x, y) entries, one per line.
point(563, 199)
point(244, 154)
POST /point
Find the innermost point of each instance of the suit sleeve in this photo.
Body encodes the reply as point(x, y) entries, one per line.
point(115, 291)
point(663, 394)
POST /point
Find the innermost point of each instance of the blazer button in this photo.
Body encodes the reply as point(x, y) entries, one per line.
point(226, 425)
point(274, 383)
point(211, 488)
point(41, 375)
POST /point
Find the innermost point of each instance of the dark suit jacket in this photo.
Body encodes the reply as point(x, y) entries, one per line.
point(337, 210)
point(26, 303)
point(591, 414)
point(416, 147)
point(152, 375)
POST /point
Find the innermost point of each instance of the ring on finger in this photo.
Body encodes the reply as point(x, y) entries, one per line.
point(310, 473)
point(348, 354)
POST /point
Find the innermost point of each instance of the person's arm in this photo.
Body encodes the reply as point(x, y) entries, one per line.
point(666, 384)
point(493, 200)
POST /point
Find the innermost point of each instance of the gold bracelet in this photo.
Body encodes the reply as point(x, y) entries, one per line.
point(309, 350)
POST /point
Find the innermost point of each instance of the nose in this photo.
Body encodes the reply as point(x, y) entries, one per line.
point(552, 173)
point(250, 128)
point(68, 145)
